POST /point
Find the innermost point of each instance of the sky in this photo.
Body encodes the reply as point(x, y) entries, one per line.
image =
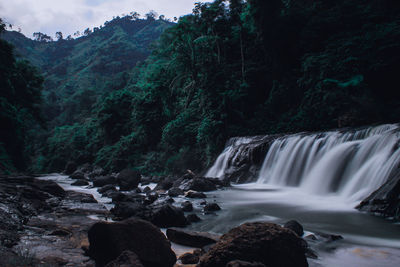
point(69, 16)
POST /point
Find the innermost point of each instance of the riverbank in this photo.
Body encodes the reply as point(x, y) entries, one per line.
point(55, 232)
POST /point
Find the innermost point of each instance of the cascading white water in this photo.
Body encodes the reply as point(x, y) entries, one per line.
point(350, 164)
point(220, 165)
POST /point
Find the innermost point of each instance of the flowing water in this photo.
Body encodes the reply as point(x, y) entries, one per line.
point(318, 179)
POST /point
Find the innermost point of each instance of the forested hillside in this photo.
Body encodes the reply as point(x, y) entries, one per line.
point(20, 102)
point(80, 70)
point(231, 68)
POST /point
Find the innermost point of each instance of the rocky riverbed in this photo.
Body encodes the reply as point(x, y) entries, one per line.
point(89, 218)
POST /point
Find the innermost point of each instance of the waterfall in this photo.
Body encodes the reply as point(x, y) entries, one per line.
point(351, 164)
point(220, 165)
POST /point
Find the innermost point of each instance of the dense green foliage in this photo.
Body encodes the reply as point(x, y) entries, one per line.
point(79, 71)
point(233, 68)
point(20, 99)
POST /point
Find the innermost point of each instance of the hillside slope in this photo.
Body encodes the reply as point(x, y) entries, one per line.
point(78, 71)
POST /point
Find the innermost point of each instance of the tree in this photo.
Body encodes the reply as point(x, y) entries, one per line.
point(2, 25)
point(87, 32)
point(151, 15)
point(59, 36)
point(134, 15)
point(42, 37)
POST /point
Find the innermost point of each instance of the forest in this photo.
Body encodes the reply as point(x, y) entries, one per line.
point(170, 101)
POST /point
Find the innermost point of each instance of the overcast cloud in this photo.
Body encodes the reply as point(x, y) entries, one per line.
point(69, 16)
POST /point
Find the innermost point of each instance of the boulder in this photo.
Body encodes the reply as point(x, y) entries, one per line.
point(106, 188)
point(269, 244)
point(128, 179)
point(385, 201)
point(295, 226)
point(124, 210)
point(80, 183)
point(109, 240)
point(70, 167)
point(187, 206)
point(78, 175)
point(193, 218)
point(50, 187)
point(238, 263)
point(101, 181)
point(85, 168)
point(191, 238)
point(126, 259)
point(189, 258)
point(199, 184)
point(211, 207)
point(165, 183)
point(97, 171)
point(175, 191)
point(151, 197)
point(194, 194)
point(167, 215)
point(146, 190)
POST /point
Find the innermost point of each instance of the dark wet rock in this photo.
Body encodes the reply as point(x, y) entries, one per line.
point(109, 240)
point(311, 254)
point(194, 194)
point(126, 259)
point(138, 190)
point(61, 232)
point(101, 181)
point(246, 163)
point(385, 201)
point(187, 206)
point(70, 167)
point(191, 238)
point(193, 218)
point(151, 198)
point(106, 188)
point(295, 226)
point(220, 183)
point(166, 183)
point(199, 184)
point(85, 168)
point(211, 207)
point(124, 210)
point(266, 243)
point(146, 190)
point(78, 175)
point(79, 197)
point(328, 237)
point(238, 263)
point(88, 199)
point(189, 258)
point(128, 179)
point(49, 187)
point(97, 171)
point(53, 202)
point(127, 197)
point(80, 183)
point(167, 215)
point(10, 225)
point(175, 191)
point(169, 200)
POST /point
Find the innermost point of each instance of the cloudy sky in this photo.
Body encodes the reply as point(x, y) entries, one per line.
point(69, 16)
